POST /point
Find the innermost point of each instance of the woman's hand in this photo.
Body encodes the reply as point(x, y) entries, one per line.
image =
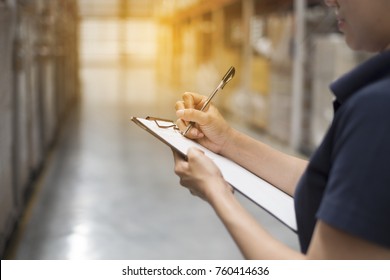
point(210, 129)
point(200, 175)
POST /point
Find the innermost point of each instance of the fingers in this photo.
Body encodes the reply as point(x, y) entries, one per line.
point(181, 124)
point(187, 115)
point(194, 153)
point(193, 133)
point(193, 115)
point(187, 110)
point(179, 105)
point(198, 174)
point(190, 100)
point(193, 100)
point(180, 163)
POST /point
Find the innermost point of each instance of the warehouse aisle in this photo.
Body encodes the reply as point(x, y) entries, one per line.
point(109, 192)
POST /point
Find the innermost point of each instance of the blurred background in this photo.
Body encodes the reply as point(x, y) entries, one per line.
point(78, 180)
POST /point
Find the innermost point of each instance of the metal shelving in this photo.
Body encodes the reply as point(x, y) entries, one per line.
point(38, 85)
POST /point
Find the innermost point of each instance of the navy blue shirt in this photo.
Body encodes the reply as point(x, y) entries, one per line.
point(347, 181)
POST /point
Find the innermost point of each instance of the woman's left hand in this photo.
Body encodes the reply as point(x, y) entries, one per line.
point(200, 175)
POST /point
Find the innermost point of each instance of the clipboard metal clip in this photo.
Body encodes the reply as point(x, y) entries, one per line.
point(158, 121)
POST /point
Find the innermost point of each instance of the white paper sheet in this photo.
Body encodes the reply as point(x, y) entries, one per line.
point(273, 200)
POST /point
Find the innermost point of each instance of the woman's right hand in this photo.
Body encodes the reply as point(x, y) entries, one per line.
point(210, 130)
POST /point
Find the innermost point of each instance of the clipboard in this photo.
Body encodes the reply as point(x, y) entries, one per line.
point(276, 202)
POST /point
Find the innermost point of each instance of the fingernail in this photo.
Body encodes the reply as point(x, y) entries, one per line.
point(180, 113)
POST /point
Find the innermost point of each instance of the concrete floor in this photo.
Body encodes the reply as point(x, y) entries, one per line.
point(109, 192)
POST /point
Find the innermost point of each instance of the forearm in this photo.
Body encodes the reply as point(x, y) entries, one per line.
point(254, 242)
point(280, 169)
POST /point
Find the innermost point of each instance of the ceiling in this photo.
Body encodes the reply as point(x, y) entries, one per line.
point(116, 8)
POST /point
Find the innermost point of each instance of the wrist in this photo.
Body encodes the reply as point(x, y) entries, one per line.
point(220, 194)
point(229, 145)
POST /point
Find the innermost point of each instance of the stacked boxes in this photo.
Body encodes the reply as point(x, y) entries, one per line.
point(280, 32)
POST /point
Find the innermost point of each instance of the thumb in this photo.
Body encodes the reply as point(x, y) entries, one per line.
point(192, 151)
point(195, 155)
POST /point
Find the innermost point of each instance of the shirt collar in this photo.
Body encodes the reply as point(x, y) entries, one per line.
point(368, 72)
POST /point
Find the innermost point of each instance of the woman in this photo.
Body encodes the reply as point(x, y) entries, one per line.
point(342, 195)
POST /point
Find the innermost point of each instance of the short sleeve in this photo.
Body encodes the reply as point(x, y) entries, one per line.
point(357, 195)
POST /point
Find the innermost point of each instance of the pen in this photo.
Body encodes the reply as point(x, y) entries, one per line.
point(228, 76)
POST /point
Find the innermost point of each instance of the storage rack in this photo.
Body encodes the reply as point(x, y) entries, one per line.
point(38, 85)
